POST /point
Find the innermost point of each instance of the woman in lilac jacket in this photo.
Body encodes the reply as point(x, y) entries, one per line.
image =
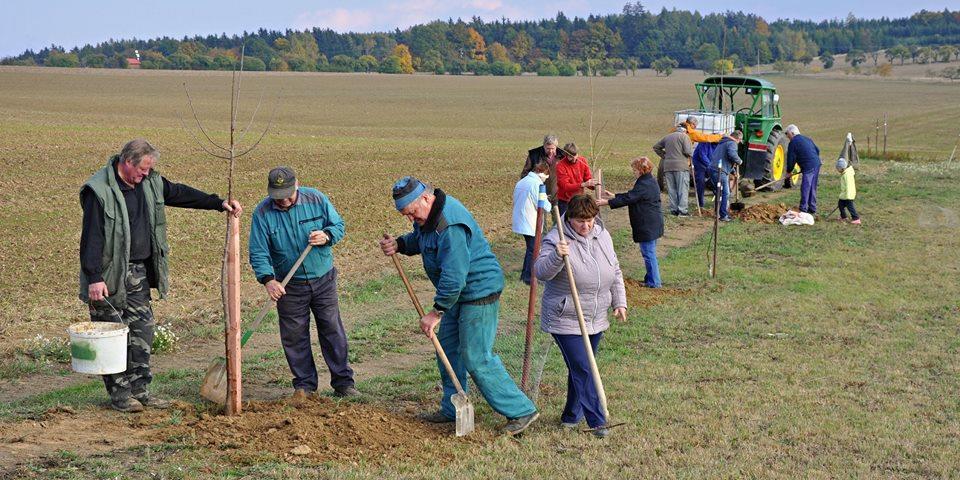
point(599, 282)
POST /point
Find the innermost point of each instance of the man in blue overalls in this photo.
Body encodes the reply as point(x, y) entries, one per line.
point(468, 280)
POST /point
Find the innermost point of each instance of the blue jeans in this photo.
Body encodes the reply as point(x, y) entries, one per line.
point(808, 190)
point(649, 252)
point(582, 398)
point(466, 334)
point(724, 190)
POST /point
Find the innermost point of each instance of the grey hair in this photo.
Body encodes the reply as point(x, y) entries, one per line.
point(551, 140)
point(793, 129)
point(692, 120)
point(136, 149)
point(737, 133)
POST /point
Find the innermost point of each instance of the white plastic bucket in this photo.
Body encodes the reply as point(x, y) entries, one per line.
point(98, 348)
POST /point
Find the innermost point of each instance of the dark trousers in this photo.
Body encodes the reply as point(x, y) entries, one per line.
point(847, 205)
point(700, 182)
point(138, 316)
point(561, 207)
point(808, 190)
point(318, 295)
point(582, 398)
point(527, 259)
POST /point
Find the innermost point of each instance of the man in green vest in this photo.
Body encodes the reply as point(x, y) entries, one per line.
point(123, 254)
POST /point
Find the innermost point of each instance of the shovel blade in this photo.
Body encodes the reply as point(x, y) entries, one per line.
point(464, 409)
point(214, 386)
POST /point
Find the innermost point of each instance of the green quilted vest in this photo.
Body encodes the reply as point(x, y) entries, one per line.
point(116, 228)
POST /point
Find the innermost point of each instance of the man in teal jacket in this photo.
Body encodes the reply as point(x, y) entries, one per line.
point(468, 282)
point(284, 223)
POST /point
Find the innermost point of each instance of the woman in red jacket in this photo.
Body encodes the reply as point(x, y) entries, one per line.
point(573, 175)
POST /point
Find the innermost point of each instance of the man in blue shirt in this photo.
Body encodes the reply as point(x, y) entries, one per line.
point(803, 152)
point(283, 224)
point(468, 281)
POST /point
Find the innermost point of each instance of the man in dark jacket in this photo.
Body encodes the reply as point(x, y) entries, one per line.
point(468, 282)
point(646, 218)
point(724, 161)
point(803, 152)
point(123, 253)
point(548, 153)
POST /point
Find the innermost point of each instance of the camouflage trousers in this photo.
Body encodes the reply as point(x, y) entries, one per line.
point(138, 316)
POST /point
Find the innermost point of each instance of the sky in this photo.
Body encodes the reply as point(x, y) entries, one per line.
point(26, 24)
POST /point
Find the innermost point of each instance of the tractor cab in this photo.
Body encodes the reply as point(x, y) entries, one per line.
point(754, 105)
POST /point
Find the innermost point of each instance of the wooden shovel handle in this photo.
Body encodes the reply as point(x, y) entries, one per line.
point(436, 341)
point(269, 303)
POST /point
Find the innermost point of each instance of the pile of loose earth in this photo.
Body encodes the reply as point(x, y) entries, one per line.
point(312, 428)
point(761, 213)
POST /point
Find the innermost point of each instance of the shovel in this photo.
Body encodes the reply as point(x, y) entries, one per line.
point(214, 386)
point(737, 204)
point(461, 402)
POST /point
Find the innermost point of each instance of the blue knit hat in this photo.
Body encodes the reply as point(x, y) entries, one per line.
point(841, 163)
point(406, 190)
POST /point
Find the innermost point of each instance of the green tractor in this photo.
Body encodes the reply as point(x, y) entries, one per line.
point(751, 105)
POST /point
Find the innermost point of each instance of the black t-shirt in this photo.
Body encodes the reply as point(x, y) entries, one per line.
point(140, 241)
point(92, 235)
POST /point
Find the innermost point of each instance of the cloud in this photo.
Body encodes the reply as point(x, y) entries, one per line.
point(485, 4)
point(339, 19)
point(405, 14)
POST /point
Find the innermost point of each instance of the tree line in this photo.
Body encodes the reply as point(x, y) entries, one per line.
point(597, 45)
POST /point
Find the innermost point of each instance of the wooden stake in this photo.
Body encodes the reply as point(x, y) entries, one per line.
point(597, 383)
point(884, 135)
point(717, 198)
point(532, 299)
point(876, 133)
point(234, 394)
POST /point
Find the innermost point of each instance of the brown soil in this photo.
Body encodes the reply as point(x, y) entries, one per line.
point(761, 213)
point(67, 429)
point(639, 295)
point(312, 428)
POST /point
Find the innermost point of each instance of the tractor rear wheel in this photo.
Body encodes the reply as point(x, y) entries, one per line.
point(776, 167)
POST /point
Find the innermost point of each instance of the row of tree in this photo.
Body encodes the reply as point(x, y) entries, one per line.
point(562, 46)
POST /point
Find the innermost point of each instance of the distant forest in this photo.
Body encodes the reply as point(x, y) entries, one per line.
point(605, 45)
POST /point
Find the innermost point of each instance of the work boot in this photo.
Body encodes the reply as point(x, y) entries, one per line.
point(152, 401)
point(350, 391)
point(601, 432)
point(516, 426)
point(127, 405)
point(569, 425)
point(299, 395)
point(435, 417)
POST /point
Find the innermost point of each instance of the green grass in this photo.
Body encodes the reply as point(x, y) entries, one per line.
point(824, 351)
point(838, 360)
point(342, 134)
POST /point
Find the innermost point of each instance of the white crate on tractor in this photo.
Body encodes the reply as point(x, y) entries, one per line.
point(707, 122)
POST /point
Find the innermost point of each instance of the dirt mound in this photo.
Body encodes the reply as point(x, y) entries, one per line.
point(761, 213)
point(314, 428)
point(639, 295)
